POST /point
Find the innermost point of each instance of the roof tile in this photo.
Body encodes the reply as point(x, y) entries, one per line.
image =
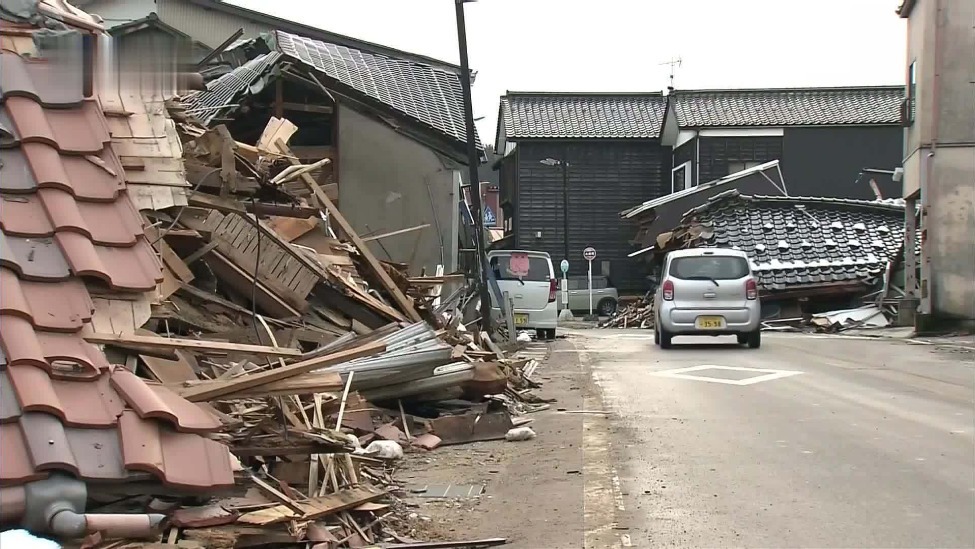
point(33, 258)
point(37, 79)
point(62, 307)
point(789, 107)
point(16, 466)
point(55, 352)
point(156, 401)
point(48, 211)
point(596, 116)
point(94, 177)
point(81, 131)
point(175, 457)
point(76, 403)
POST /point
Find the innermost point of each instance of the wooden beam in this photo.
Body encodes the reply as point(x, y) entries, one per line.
point(395, 233)
point(302, 107)
point(405, 304)
point(248, 381)
point(304, 384)
point(314, 508)
point(149, 342)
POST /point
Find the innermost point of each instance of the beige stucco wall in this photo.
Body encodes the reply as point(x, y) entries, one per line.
point(940, 150)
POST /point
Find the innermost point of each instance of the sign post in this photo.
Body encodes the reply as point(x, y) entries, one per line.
point(589, 254)
point(565, 313)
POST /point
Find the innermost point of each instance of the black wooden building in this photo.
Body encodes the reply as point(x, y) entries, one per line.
point(611, 146)
point(822, 137)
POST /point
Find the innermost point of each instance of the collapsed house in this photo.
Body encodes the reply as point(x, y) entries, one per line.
point(192, 352)
point(353, 107)
point(810, 254)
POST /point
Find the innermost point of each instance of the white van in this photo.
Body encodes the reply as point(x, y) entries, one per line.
point(529, 278)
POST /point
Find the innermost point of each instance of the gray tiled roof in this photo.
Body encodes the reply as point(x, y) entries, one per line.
point(223, 93)
point(428, 94)
point(789, 107)
point(799, 241)
point(580, 116)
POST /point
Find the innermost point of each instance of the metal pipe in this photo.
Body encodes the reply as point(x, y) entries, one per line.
point(565, 208)
point(472, 164)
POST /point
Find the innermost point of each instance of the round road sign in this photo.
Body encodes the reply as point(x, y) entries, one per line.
point(589, 253)
point(564, 266)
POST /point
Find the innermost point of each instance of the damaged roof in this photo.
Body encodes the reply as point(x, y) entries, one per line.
point(788, 106)
point(69, 227)
point(428, 94)
point(539, 115)
point(794, 242)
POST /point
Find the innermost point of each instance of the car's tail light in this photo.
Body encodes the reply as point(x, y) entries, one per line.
point(751, 289)
point(553, 288)
point(668, 290)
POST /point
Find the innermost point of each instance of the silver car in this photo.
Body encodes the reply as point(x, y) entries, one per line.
point(604, 295)
point(707, 291)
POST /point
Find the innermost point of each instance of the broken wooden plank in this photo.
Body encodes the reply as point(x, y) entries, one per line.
point(314, 508)
point(261, 378)
point(464, 544)
point(304, 384)
point(405, 304)
point(278, 496)
point(123, 340)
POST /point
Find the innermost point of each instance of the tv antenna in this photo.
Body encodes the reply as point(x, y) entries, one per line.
point(674, 63)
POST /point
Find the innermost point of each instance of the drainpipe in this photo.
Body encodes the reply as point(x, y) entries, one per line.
point(927, 180)
point(56, 505)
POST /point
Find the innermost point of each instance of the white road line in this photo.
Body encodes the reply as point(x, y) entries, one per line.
point(768, 374)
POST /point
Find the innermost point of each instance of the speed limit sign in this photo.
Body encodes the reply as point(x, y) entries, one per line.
point(589, 253)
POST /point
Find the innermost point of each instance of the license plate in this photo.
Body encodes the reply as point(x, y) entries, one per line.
point(521, 319)
point(709, 322)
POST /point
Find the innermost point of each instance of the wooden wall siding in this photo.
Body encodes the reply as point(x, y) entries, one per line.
point(279, 270)
point(717, 152)
point(605, 177)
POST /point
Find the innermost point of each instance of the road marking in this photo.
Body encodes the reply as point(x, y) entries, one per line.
point(767, 374)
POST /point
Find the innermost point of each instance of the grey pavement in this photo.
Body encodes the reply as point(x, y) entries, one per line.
point(870, 444)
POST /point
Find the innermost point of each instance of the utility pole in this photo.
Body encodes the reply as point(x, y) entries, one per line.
point(472, 163)
point(565, 209)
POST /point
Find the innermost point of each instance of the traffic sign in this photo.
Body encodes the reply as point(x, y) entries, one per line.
point(564, 266)
point(589, 253)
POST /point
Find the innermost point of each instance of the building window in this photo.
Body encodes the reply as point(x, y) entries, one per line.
point(735, 167)
point(681, 177)
point(911, 92)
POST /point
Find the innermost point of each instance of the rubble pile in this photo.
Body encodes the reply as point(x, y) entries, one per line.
point(638, 314)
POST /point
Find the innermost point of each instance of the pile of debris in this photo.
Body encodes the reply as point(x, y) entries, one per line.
point(638, 314)
point(321, 362)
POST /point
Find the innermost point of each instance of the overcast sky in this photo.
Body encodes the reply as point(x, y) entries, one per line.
point(619, 45)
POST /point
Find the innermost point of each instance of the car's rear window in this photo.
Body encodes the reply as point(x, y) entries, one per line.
point(518, 266)
point(716, 267)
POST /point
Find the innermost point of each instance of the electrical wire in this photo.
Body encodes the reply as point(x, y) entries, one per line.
point(183, 208)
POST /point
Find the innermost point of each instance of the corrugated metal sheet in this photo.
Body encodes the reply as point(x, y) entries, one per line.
point(604, 179)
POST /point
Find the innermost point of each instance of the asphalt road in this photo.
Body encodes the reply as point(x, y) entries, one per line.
point(870, 444)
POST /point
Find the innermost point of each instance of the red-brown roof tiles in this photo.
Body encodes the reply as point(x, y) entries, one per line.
point(96, 178)
point(62, 307)
point(66, 218)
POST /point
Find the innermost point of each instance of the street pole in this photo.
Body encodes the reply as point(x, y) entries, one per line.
point(472, 162)
point(565, 209)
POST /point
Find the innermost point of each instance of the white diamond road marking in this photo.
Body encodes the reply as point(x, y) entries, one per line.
point(766, 374)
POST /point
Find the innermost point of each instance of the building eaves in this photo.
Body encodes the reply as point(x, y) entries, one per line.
point(904, 10)
point(567, 115)
point(223, 94)
point(862, 105)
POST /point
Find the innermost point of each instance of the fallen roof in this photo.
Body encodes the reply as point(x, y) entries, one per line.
point(866, 105)
point(67, 221)
point(427, 94)
point(547, 115)
point(703, 187)
point(799, 241)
